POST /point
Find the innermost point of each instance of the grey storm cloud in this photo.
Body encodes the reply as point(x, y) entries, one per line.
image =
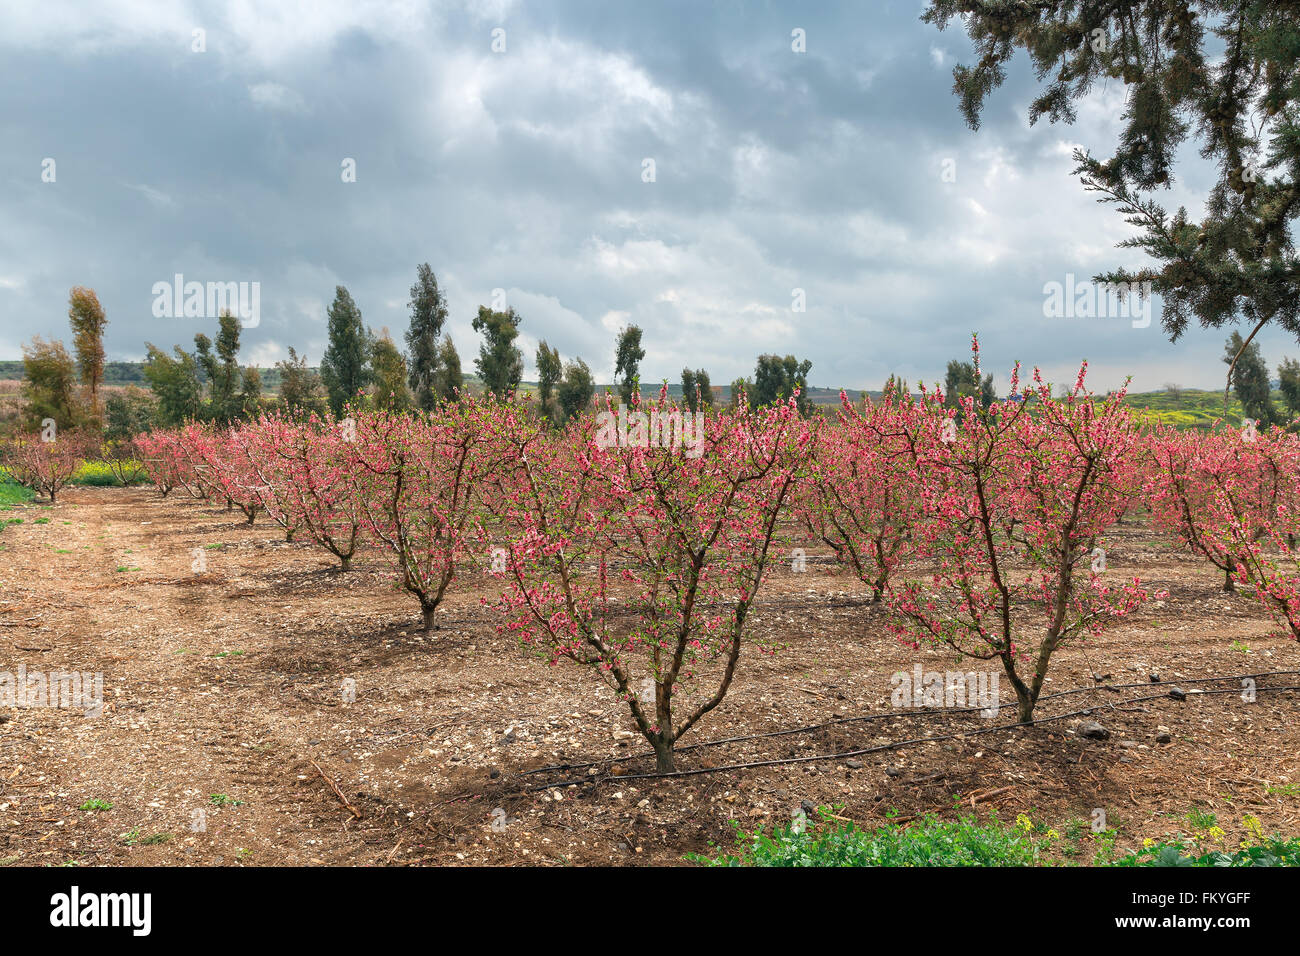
point(522, 170)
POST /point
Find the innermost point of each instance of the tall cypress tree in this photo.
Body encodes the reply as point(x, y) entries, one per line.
point(226, 403)
point(549, 372)
point(451, 381)
point(500, 364)
point(627, 362)
point(389, 373)
point(87, 319)
point(576, 389)
point(697, 392)
point(1250, 380)
point(428, 316)
point(345, 368)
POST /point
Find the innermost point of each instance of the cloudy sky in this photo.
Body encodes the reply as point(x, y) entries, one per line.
point(524, 169)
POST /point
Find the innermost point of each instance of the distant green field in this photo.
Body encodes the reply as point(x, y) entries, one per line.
point(1192, 408)
point(93, 473)
point(99, 473)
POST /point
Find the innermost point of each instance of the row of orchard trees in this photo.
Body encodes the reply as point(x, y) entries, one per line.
point(639, 558)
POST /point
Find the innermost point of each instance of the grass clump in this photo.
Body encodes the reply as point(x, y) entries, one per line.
point(12, 493)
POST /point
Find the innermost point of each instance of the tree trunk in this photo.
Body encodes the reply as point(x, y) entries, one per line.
point(345, 564)
point(428, 610)
point(1024, 694)
point(663, 755)
point(1025, 709)
point(1228, 583)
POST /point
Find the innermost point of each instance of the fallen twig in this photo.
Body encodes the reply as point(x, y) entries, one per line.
point(337, 792)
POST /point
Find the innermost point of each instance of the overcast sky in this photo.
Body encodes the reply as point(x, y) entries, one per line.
point(523, 169)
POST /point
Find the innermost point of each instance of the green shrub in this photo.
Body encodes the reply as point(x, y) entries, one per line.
point(927, 842)
point(1273, 851)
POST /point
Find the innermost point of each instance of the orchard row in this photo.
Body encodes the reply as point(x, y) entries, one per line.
point(980, 529)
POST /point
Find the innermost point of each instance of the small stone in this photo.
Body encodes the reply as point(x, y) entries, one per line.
point(1164, 738)
point(853, 764)
point(1177, 693)
point(1093, 730)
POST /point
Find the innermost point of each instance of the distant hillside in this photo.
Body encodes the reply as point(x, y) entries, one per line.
point(128, 373)
point(1192, 407)
point(115, 373)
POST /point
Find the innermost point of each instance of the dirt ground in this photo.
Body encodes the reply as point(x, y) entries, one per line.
point(227, 692)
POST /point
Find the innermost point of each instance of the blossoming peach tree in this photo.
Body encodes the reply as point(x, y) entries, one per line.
point(1191, 471)
point(171, 460)
point(1015, 501)
point(270, 444)
point(1253, 521)
point(46, 461)
point(423, 476)
point(642, 563)
point(859, 498)
point(308, 478)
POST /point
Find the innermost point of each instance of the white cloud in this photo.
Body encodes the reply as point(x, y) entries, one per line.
point(614, 320)
point(633, 256)
point(155, 196)
point(276, 96)
point(264, 354)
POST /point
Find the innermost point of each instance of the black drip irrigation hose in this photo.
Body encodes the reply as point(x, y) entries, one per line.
point(915, 714)
point(895, 745)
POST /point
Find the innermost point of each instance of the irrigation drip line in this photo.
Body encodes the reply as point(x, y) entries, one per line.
point(912, 714)
point(818, 758)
